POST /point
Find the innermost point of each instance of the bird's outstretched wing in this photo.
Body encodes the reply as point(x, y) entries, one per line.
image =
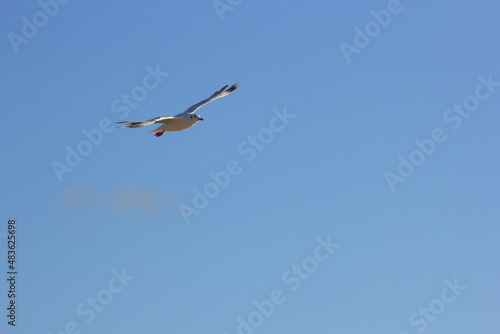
point(164, 119)
point(224, 91)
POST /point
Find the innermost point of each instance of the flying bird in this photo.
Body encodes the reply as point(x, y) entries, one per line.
point(184, 120)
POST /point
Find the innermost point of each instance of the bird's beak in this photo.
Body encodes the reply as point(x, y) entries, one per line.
point(201, 119)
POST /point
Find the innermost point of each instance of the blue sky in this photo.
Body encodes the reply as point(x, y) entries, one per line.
point(334, 192)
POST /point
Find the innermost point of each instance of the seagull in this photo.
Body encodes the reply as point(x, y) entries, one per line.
point(182, 121)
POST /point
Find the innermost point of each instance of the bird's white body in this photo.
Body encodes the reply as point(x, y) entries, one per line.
point(184, 120)
point(178, 123)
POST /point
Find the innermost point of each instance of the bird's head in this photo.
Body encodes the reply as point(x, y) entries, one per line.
point(196, 117)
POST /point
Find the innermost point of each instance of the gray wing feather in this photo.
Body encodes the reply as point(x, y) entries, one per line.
point(224, 91)
point(128, 124)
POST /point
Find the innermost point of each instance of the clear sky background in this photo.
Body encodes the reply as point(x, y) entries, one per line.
point(322, 175)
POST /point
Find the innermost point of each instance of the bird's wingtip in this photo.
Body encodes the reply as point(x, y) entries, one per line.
point(233, 87)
